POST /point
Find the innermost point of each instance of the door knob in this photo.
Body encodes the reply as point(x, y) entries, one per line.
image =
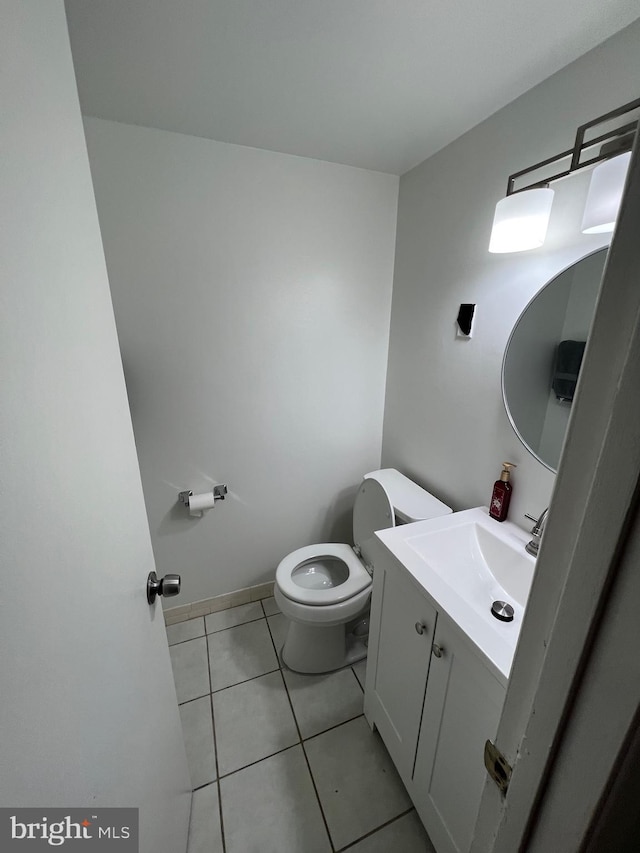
point(437, 650)
point(420, 627)
point(168, 585)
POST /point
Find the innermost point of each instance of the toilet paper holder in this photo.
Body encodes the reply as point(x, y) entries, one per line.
point(219, 493)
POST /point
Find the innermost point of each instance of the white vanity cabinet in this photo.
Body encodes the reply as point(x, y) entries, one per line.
point(434, 700)
point(401, 633)
point(462, 707)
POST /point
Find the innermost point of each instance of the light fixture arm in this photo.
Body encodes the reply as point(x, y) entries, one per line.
point(613, 142)
point(511, 189)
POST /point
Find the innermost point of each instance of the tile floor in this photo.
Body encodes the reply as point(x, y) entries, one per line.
point(281, 762)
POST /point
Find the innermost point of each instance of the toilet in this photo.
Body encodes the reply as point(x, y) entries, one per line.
point(324, 589)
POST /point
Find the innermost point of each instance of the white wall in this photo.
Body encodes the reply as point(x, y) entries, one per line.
point(444, 418)
point(252, 294)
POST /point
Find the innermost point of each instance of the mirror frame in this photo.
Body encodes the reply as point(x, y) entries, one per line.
point(508, 344)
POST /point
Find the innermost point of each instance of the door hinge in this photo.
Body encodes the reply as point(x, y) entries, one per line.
point(497, 766)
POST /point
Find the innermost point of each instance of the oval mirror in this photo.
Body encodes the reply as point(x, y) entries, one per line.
point(543, 356)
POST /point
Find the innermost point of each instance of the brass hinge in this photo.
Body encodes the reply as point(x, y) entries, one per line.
point(497, 765)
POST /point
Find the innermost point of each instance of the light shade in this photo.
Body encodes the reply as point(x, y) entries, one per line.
point(605, 195)
point(520, 221)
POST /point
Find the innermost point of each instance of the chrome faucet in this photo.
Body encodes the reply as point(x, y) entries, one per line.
point(536, 532)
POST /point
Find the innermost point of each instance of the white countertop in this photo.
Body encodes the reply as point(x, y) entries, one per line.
point(469, 606)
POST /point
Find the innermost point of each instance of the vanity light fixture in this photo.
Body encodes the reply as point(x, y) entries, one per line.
point(521, 218)
point(605, 195)
point(520, 221)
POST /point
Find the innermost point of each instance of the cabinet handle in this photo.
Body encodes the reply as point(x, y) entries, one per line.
point(420, 628)
point(437, 650)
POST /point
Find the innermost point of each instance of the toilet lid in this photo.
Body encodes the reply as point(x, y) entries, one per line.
point(372, 510)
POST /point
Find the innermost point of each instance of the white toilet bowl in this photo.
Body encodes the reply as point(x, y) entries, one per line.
point(321, 588)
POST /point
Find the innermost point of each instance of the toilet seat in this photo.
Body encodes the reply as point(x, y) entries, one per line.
point(323, 590)
point(358, 578)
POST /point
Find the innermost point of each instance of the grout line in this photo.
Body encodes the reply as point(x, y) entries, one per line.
point(268, 615)
point(277, 752)
point(259, 760)
point(255, 678)
point(304, 752)
point(315, 788)
point(377, 829)
point(356, 678)
point(231, 627)
point(205, 785)
point(186, 701)
point(275, 649)
point(209, 633)
point(281, 663)
point(245, 681)
point(190, 815)
point(210, 691)
point(215, 740)
point(222, 835)
point(182, 642)
point(336, 726)
point(284, 748)
point(173, 669)
point(189, 701)
point(215, 750)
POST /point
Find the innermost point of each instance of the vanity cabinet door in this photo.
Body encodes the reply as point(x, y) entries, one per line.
point(400, 638)
point(462, 708)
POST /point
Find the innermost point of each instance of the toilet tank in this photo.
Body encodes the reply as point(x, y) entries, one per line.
point(410, 502)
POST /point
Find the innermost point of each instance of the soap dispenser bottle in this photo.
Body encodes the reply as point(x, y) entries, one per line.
point(501, 496)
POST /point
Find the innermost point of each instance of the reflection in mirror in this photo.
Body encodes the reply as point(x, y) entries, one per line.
point(543, 355)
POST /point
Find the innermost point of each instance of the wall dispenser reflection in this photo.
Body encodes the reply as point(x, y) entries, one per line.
point(566, 369)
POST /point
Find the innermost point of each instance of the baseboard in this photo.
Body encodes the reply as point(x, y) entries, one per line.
point(218, 602)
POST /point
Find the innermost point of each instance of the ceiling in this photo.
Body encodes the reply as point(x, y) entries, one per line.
point(380, 84)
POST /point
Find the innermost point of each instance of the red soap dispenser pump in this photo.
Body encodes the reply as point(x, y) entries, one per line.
point(501, 496)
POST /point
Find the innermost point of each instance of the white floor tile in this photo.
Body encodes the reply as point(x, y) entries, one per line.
point(197, 730)
point(190, 669)
point(204, 829)
point(233, 616)
point(252, 720)
point(322, 701)
point(270, 606)
point(360, 670)
point(278, 625)
point(182, 631)
point(357, 783)
point(271, 807)
point(240, 653)
point(406, 835)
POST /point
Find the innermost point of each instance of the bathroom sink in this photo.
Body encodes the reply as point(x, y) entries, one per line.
point(479, 562)
point(466, 561)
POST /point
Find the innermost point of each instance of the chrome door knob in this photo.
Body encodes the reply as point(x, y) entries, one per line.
point(437, 650)
point(168, 586)
point(420, 628)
